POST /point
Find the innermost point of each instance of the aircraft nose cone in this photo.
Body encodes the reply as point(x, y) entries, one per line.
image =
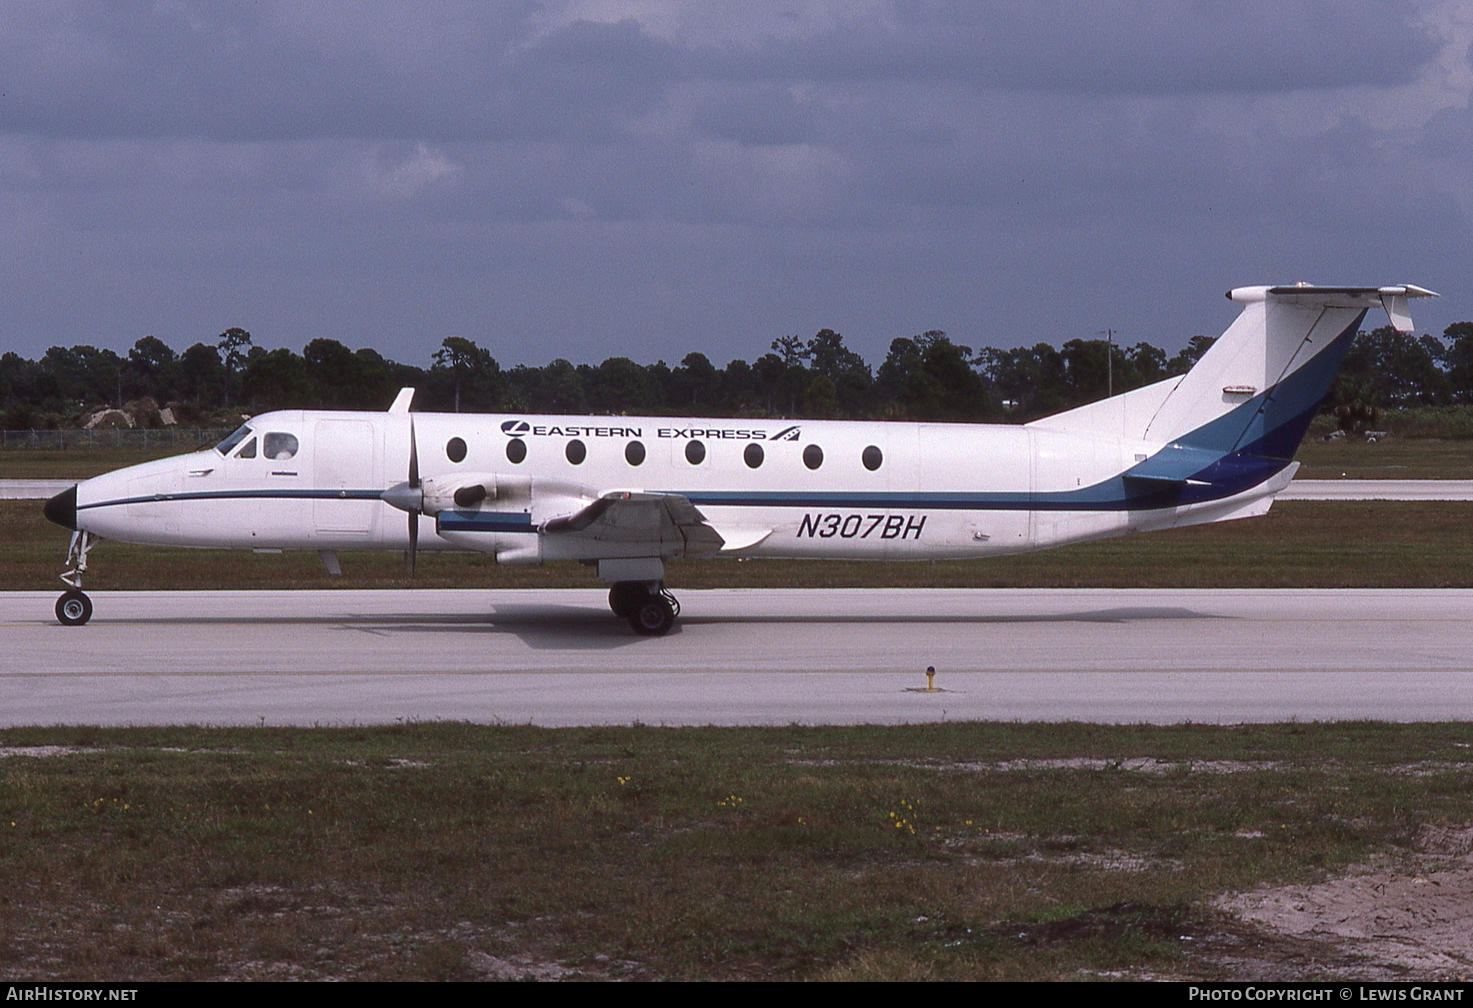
point(62, 509)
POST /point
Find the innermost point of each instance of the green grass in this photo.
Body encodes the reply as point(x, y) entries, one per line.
point(414, 851)
point(73, 463)
point(1395, 458)
point(1332, 544)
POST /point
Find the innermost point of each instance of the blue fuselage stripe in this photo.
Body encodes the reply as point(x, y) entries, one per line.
point(241, 495)
point(483, 521)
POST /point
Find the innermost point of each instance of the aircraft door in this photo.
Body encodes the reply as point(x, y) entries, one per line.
point(343, 452)
point(990, 461)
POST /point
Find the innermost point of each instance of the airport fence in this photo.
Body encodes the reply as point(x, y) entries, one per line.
point(186, 439)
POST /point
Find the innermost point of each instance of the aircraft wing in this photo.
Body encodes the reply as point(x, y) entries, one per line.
point(662, 524)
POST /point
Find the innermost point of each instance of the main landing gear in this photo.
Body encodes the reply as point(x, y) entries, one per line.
point(74, 608)
point(649, 608)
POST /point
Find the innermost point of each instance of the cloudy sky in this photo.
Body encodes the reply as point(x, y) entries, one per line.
point(643, 178)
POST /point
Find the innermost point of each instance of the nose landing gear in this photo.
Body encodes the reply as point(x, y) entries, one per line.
point(74, 608)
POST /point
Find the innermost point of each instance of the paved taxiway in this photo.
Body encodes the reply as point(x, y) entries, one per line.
point(32, 489)
point(1395, 490)
point(558, 657)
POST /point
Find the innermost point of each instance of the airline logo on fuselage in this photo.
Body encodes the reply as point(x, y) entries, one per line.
point(521, 428)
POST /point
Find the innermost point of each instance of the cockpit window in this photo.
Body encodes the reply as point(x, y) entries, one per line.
point(234, 439)
point(249, 451)
point(278, 446)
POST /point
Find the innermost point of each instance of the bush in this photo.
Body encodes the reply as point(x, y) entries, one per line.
point(1449, 423)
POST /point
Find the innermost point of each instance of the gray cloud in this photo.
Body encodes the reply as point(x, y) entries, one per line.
point(1079, 47)
point(564, 181)
point(229, 71)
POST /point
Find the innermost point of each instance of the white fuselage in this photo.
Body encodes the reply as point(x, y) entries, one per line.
point(879, 490)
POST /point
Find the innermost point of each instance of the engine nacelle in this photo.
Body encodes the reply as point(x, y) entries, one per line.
point(467, 492)
point(501, 514)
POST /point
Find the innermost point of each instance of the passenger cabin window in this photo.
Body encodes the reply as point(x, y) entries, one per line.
point(695, 452)
point(576, 451)
point(249, 451)
point(813, 456)
point(237, 436)
point(516, 450)
point(279, 447)
point(752, 455)
point(634, 453)
point(455, 449)
point(872, 458)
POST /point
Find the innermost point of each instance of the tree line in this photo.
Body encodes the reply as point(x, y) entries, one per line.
point(924, 377)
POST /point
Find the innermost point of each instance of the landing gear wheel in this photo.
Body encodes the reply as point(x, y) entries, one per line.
point(653, 618)
point(626, 596)
point(73, 608)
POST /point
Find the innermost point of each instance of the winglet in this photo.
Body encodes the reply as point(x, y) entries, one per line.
point(402, 401)
point(1394, 300)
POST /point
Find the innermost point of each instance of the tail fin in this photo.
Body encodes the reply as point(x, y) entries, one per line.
point(1257, 388)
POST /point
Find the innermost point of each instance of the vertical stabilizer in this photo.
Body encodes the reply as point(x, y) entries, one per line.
point(1261, 382)
point(1257, 387)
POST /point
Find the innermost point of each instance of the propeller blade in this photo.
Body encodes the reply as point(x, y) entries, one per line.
point(413, 539)
point(413, 485)
point(413, 457)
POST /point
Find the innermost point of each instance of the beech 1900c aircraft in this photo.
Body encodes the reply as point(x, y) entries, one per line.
point(628, 494)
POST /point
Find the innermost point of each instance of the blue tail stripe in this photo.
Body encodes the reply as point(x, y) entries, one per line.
point(1275, 420)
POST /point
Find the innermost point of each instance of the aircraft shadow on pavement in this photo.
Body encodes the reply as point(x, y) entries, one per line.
point(601, 624)
point(1124, 614)
point(564, 628)
point(541, 627)
point(575, 628)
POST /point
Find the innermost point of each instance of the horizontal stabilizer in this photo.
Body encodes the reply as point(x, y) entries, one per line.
point(1393, 298)
point(1173, 464)
point(1166, 480)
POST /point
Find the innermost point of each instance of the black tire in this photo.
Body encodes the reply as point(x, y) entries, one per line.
point(625, 597)
point(653, 618)
point(73, 608)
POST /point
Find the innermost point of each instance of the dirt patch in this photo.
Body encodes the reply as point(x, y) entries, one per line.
point(1414, 919)
point(1447, 841)
point(490, 967)
point(42, 751)
point(1171, 923)
point(1132, 764)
